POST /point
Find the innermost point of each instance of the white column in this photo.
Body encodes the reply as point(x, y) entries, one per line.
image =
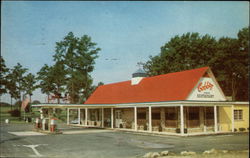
point(67, 116)
point(150, 119)
point(135, 117)
point(215, 119)
point(86, 116)
point(79, 116)
point(102, 117)
point(232, 118)
point(182, 119)
point(112, 118)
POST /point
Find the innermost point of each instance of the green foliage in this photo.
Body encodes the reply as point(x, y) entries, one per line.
point(45, 78)
point(227, 57)
point(3, 73)
point(29, 84)
point(36, 102)
point(77, 55)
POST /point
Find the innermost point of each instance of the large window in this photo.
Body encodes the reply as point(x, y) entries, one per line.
point(209, 113)
point(238, 115)
point(193, 113)
point(171, 113)
point(141, 115)
point(156, 116)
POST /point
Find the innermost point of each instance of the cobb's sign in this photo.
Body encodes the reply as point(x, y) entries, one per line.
point(206, 90)
point(206, 85)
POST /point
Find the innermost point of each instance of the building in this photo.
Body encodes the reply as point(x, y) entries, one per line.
point(182, 103)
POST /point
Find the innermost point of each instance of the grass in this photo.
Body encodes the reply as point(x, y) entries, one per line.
point(19, 120)
point(62, 117)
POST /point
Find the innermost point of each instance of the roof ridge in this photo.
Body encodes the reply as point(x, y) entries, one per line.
point(157, 75)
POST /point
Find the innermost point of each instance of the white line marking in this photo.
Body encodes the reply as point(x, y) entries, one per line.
point(33, 147)
point(26, 133)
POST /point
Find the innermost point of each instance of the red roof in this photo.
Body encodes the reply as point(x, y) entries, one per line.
point(167, 87)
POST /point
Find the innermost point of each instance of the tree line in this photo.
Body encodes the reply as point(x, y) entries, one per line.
point(227, 57)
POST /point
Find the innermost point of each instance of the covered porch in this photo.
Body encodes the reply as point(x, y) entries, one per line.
point(177, 118)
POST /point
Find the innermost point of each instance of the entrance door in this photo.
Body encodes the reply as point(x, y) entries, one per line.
point(118, 118)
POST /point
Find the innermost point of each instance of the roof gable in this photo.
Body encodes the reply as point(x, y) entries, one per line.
point(167, 87)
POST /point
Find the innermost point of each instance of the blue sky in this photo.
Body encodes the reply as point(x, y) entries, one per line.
point(127, 31)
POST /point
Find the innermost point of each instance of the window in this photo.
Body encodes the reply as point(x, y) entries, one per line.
point(171, 114)
point(238, 115)
point(141, 116)
point(156, 116)
point(193, 113)
point(209, 113)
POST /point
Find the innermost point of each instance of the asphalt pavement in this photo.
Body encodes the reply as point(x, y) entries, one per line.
point(18, 140)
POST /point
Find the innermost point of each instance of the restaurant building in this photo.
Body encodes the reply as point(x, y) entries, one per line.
point(182, 103)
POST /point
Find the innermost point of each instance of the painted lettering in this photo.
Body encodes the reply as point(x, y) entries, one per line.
point(205, 86)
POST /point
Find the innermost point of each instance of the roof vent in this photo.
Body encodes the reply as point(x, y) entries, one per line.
point(138, 76)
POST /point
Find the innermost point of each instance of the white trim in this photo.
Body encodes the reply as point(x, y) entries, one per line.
point(215, 119)
point(158, 104)
point(67, 116)
point(135, 117)
point(150, 119)
point(79, 116)
point(182, 119)
point(232, 108)
point(112, 118)
point(86, 116)
point(102, 118)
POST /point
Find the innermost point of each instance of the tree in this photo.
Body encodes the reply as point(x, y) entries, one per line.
point(29, 84)
point(18, 78)
point(45, 78)
point(3, 73)
point(58, 74)
point(12, 86)
point(78, 55)
point(182, 53)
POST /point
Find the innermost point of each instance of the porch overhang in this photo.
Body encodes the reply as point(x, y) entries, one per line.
point(144, 104)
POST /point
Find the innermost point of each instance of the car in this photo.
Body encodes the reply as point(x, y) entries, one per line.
point(74, 121)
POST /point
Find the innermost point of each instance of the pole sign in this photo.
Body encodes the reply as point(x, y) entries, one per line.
point(206, 89)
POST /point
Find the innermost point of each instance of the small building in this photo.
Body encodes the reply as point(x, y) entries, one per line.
point(182, 103)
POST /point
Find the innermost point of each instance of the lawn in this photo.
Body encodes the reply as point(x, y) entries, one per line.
point(62, 115)
point(5, 115)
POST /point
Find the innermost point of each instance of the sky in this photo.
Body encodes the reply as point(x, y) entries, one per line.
point(127, 32)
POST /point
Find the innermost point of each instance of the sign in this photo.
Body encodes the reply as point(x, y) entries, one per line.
point(206, 89)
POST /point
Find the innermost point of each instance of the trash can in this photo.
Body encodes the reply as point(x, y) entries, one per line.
point(53, 125)
point(7, 121)
point(45, 124)
point(38, 123)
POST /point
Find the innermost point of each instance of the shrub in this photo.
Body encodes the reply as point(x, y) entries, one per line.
point(15, 113)
point(235, 130)
point(242, 129)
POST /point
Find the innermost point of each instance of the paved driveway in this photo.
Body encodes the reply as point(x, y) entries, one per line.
point(97, 143)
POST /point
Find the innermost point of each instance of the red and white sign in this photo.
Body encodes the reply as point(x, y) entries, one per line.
point(206, 89)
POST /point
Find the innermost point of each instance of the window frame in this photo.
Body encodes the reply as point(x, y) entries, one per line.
point(238, 114)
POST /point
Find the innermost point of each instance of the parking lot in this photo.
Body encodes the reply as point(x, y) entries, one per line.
point(18, 140)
